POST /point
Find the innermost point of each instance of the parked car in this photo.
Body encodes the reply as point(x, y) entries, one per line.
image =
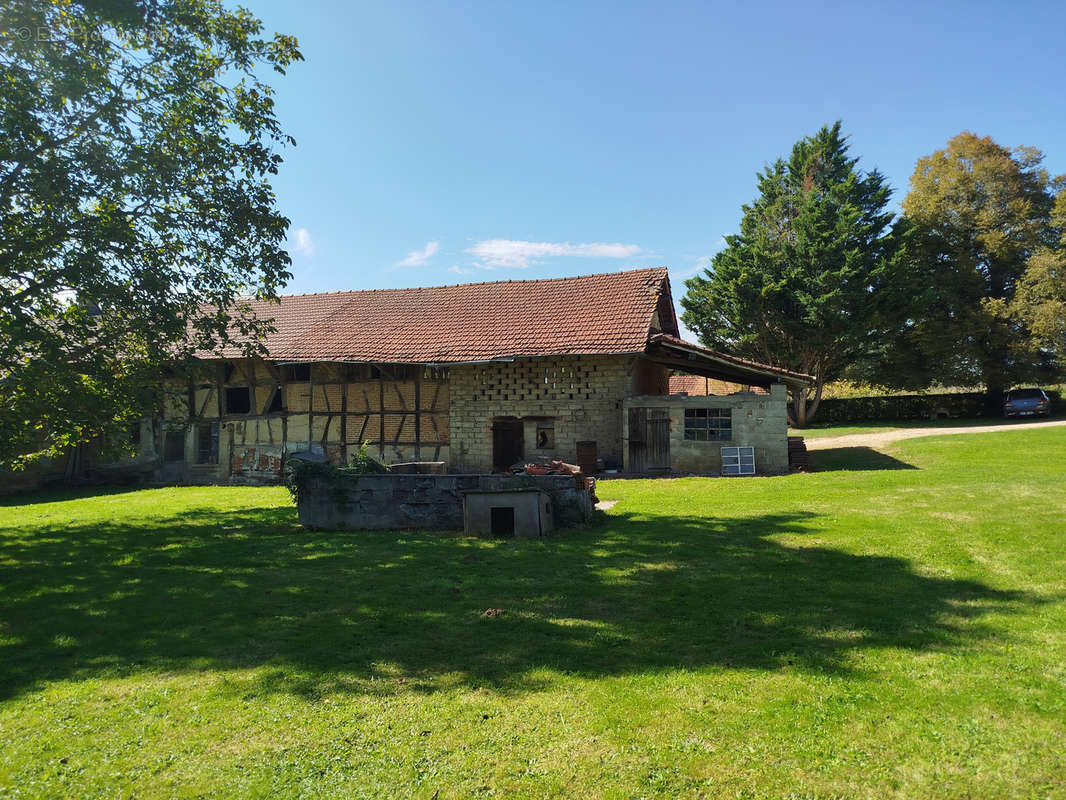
point(1026, 403)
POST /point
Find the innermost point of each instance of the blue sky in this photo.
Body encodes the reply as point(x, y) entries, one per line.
point(452, 142)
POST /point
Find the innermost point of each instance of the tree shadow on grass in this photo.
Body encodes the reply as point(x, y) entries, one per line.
point(854, 459)
point(60, 494)
point(369, 612)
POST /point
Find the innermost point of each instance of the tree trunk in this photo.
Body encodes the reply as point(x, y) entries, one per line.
point(994, 398)
point(797, 417)
point(804, 408)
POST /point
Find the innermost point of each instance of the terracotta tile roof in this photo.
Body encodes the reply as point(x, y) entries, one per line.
point(593, 314)
point(698, 386)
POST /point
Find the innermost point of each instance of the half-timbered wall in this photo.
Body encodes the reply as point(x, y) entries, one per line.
point(238, 419)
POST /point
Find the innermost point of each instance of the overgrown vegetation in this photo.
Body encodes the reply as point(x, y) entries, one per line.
point(887, 627)
point(299, 471)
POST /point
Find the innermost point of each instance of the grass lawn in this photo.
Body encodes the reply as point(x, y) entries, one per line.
point(849, 633)
point(817, 430)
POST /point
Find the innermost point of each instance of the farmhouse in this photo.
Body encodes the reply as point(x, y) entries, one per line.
point(476, 376)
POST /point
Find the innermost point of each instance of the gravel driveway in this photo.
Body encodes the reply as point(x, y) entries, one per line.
point(876, 440)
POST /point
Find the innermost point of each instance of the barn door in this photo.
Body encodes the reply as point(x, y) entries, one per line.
point(649, 439)
point(658, 439)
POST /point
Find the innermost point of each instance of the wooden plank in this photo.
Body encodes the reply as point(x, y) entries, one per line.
point(344, 415)
point(637, 436)
point(381, 407)
point(658, 438)
point(418, 413)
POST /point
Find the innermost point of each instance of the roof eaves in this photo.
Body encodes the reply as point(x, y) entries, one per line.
point(787, 376)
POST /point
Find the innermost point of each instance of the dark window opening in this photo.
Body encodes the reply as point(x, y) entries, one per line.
point(298, 373)
point(501, 520)
point(708, 424)
point(207, 443)
point(238, 400)
point(545, 436)
point(174, 446)
point(277, 402)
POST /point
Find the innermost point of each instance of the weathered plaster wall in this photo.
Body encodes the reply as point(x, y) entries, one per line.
point(758, 420)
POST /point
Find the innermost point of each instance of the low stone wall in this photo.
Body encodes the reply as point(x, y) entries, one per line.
point(434, 502)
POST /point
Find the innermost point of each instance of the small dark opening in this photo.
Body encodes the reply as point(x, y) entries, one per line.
point(298, 372)
point(207, 443)
point(277, 402)
point(238, 400)
point(174, 446)
point(502, 520)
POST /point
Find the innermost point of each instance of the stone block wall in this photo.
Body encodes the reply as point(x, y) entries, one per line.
point(758, 420)
point(579, 396)
point(429, 502)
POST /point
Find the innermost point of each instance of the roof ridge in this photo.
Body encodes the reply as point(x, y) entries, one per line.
point(664, 270)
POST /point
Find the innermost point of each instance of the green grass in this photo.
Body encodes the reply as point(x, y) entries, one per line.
point(819, 430)
point(865, 631)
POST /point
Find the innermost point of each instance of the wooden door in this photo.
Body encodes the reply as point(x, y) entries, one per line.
point(638, 431)
point(649, 439)
point(658, 439)
point(508, 443)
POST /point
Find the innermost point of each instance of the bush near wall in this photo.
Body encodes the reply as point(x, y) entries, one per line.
point(912, 407)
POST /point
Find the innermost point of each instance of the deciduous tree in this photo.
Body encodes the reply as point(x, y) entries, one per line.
point(979, 215)
point(1040, 302)
point(136, 208)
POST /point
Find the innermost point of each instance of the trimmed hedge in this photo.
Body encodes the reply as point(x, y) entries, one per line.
point(911, 406)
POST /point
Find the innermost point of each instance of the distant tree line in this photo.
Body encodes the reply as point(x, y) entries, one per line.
point(966, 287)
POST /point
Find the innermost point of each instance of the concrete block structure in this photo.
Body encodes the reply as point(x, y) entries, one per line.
point(437, 502)
point(474, 377)
point(699, 427)
point(525, 513)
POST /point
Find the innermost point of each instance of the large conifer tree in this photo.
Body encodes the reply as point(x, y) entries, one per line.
point(807, 282)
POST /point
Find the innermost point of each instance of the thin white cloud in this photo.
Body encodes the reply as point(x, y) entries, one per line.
point(493, 253)
point(419, 258)
point(700, 265)
point(460, 270)
point(301, 242)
